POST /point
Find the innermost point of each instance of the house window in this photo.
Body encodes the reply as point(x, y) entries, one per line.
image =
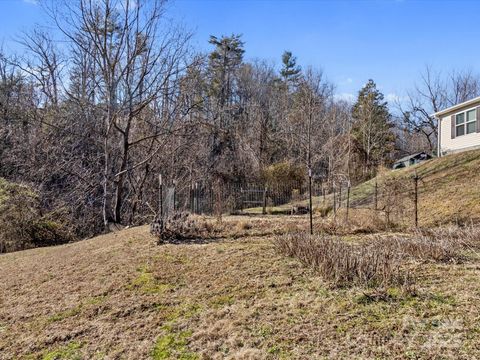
point(460, 124)
point(465, 123)
point(471, 122)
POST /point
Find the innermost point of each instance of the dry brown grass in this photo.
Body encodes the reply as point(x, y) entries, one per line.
point(359, 221)
point(446, 194)
point(244, 225)
point(377, 260)
point(121, 296)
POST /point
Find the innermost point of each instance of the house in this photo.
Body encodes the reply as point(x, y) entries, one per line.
point(459, 127)
point(411, 160)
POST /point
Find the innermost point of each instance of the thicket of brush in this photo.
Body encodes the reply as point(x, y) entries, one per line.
point(181, 226)
point(380, 260)
point(22, 223)
point(343, 263)
point(461, 237)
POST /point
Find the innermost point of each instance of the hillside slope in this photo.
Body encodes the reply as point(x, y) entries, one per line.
point(448, 192)
point(122, 296)
point(449, 189)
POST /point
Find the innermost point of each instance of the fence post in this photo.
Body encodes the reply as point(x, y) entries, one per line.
point(192, 206)
point(242, 204)
point(310, 199)
point(415, 181)
point(376, 195)
point(320, 193)
point(264, 208)
point(348, 203)
point(212, 200)
point(160, 202)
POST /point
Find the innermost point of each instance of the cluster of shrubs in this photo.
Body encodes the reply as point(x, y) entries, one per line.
point(22, 223)
point(380, 260)
point(340, 262)
point(180, 226)
point(283, 173)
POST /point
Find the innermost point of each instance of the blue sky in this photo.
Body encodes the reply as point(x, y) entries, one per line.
point(389, 41)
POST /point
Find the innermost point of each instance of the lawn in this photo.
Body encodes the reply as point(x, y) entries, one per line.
point(122, 296)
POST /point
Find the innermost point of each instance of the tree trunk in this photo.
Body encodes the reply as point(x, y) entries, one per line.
point(119, 183)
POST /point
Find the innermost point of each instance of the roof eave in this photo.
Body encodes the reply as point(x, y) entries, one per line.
point(456, 107)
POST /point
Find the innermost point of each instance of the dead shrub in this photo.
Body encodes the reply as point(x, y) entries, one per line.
point(343, 263)
point(181, 226)
point(323, 210)
point(243, 225)
point(360, 221)
point(419, 247)
point(283, 172)
point(459, 236)
point(395, 199)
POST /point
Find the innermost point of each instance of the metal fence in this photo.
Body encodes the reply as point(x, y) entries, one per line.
point(237, 198)
point(396, 199)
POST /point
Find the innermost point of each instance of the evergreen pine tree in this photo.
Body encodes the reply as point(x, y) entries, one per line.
point(224, 60)
point(290, 71)
point(372, 127)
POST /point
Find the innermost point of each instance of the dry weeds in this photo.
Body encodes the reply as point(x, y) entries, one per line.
point(181, 226)
point(359, 221)
point(369, 263)
point(377, 260)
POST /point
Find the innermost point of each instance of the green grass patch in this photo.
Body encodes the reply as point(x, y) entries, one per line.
point(223, 300)
point(96, 300)
point(173, 345)
point(65, 314)
point(68, 352)
point(186, 311)
point(147, 283)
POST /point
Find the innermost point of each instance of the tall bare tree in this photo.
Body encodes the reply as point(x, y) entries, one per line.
point(433, 93)
point(137, 63)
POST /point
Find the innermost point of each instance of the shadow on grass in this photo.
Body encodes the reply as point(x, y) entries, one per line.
point(192, 240)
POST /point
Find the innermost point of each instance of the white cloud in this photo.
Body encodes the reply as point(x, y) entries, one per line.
point(31, 2)
point(348, 97)
point(345, 80)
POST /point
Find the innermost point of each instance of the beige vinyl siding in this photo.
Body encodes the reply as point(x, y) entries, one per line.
point(463, 142)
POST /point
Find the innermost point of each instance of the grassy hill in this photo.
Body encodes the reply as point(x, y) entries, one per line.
point(449, 189)
point(122, 296)
point(449, 192)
